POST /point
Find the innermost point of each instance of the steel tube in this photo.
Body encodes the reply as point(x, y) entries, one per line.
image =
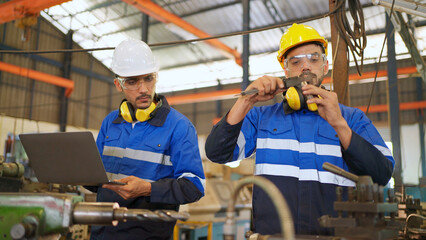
point(99, 213)
point(284, 214)
point(94, 213)
point(335, 169)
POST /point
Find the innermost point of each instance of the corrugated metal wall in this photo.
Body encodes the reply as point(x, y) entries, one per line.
point(91, 100)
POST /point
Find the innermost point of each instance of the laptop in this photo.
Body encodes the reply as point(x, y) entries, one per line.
point(65, 158)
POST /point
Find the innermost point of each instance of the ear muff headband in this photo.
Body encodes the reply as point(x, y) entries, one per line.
point(312, 107)
point(129, 115)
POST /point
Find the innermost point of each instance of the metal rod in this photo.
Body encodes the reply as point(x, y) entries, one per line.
point(284, 214)
point(112, 213)
point(339, 171)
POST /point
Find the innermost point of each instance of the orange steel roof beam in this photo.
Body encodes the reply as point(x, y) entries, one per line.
point(230, 93)
point(402, 106)
point(150, 8)
point(16, 9)
point(380, 73)
point(203, 97)
point(39, 76)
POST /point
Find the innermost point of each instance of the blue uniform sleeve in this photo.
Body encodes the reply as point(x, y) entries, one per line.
point(365, 159)
point(367, 153)
point(189, 182)
point(227, 143)
point(221, 142)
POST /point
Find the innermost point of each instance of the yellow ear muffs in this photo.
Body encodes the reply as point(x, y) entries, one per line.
point(145, 114)
point(294, 98)
point(312, 107)
point(128, 113)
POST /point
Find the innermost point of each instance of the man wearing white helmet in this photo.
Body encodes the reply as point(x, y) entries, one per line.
point(147, 145)
point(294, 138)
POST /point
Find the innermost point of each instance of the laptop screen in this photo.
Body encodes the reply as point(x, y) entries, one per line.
point(65, 157)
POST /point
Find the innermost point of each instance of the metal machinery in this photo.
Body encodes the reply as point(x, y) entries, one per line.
point(208, 215)
point(9, 175)
point(32, 215)
point(363, 216)
point(33, 210)
point(280, 204)
point(366, 215)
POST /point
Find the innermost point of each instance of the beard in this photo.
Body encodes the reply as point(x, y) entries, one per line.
point(312, 78)
point(146, 101)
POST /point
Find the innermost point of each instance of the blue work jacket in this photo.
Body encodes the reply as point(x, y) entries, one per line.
point(163, 151)
point(290, 150)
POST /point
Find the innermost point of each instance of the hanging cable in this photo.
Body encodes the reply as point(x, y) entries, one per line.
point(354, 36)
point(380, 58)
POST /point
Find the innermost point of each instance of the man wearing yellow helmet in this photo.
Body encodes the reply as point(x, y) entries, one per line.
point(291, 145)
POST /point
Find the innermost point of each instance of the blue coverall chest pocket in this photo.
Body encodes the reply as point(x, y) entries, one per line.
point(157, 144)
point(328, 134)
point(112, 136)
point(273, 129)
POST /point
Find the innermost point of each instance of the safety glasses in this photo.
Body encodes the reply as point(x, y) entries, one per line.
point(298, 61)
point(134, 83)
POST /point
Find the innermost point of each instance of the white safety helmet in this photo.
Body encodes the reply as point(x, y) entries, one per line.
point(133, 58)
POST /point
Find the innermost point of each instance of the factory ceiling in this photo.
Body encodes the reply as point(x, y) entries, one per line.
point(104, 23)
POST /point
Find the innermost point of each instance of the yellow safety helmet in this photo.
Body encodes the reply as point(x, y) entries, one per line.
point(296, 35)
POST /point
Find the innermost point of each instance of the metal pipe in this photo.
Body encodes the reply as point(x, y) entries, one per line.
point(103, 213)
point(335, 169)
point(95, 213)
point(12, 170)
point(284, 214)
point(246, 44)
point(393, 102)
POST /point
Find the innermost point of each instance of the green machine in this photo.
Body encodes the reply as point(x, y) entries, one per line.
point(29, 215)
point(32, 215)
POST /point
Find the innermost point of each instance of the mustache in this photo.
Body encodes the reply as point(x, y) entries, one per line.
point(312, 77)
point(143, 96)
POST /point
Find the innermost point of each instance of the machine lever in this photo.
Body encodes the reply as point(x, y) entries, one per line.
point(339, 171)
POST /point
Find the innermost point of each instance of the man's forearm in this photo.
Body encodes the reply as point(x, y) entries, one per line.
point(344, 132)
point(240, 109)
